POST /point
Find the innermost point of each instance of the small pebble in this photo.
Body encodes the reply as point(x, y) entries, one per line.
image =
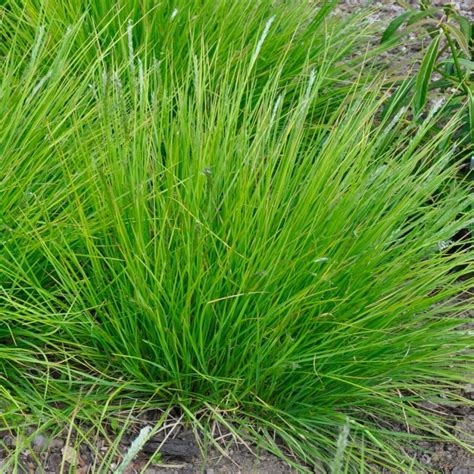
point(39, 442)
point(56, 443)
point(9, 441)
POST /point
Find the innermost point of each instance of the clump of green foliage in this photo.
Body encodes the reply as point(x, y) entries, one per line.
point(202, 209)
point(447, 66)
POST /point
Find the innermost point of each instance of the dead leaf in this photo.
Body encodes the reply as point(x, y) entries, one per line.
point(69, 455)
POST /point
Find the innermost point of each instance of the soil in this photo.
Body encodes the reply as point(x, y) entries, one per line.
point(180, 454)
point(44, 459)
point(389, 9)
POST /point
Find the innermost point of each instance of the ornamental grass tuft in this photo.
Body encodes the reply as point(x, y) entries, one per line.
point(203, 210)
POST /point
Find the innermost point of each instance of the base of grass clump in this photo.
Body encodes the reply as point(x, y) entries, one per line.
point(218, 227)
point(168, 441)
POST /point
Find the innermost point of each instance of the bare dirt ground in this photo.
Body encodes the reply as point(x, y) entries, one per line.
point(389, 9)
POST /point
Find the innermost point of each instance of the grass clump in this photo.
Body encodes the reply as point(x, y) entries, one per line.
point(215, 218)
